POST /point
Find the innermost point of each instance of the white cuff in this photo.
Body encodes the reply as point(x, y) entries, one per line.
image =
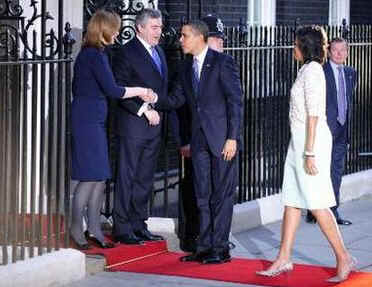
point(143, 108)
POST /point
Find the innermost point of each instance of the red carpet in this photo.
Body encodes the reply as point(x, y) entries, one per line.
point(153, 258)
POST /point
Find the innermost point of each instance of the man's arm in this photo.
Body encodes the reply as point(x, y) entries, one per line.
point(232, 90)
point(122, 71)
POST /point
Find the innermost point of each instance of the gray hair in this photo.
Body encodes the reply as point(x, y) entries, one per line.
point(146, 14)
point(338, 40)
point(199, 28)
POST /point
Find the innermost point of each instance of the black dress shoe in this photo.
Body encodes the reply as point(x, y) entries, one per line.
point(343, 221)
point(128, 239)
point(104, 244)
point(146, 235)
point(212, 258)
point(198, 257)
point(225, 255)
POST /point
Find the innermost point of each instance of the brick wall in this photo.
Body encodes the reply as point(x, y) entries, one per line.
point(230, 11)
point(360, 12)
point(309, 12)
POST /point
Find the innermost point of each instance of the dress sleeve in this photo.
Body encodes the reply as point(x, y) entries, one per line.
point(314, 89)
point(105, 78)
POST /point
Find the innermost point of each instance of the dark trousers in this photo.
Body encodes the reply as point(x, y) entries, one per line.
point(188, 211)
point(214, 182)
point(135, 176)
point(339, 149)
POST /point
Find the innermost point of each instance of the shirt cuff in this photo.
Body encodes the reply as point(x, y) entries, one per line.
point(143, 108)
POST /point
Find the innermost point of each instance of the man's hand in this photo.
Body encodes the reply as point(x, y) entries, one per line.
point(148, 95)
point(229, 149)
point(153, 117)
point(185, 151)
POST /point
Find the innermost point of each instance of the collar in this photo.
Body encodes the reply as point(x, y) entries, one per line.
point(201, 56)
point(334, 65)
point(145, 44)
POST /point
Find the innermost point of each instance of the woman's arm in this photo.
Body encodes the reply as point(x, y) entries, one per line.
point(309, 155)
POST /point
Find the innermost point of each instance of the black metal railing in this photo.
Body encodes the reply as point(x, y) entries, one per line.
point(35, 93)
point(268, 69)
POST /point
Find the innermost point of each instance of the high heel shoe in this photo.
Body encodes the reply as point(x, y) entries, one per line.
point(344, 274)
point(287, 267)
point(101, 244)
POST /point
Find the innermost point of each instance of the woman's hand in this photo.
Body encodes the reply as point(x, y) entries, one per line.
point(310, 167)
point(148, 95)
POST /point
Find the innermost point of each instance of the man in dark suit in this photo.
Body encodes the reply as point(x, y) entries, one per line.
point(180, 119)
point(340, 80)
point(210, 85)
point(139, 62)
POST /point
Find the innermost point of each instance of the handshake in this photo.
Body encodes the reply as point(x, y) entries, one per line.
point(150, 97)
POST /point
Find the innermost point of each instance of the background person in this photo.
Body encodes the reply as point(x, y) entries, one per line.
point(307, 183)
point(93, 82)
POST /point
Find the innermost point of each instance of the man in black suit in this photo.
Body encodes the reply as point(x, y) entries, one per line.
point(210, 85)
point(180, 119)
point(340, 80)
point(140, 62)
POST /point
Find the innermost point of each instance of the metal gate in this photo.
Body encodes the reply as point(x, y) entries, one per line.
point(35, 92)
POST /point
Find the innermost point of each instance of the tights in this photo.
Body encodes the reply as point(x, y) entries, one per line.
point(90, 195)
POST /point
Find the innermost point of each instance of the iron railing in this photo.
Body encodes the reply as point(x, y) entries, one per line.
point(35, 93)
point(268, 69)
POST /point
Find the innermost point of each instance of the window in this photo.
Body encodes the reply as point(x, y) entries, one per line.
point(338, 10)
point(261, 12)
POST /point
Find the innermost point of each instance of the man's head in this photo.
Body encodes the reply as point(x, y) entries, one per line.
point(215, 35)
point(338, 50)
point(149, 25)
point(194, 37)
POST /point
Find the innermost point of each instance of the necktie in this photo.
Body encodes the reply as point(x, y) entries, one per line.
point(341, 97)
point(195, 75)
point(156, 59)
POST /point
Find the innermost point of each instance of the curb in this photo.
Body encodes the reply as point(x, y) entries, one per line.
point(52, 269)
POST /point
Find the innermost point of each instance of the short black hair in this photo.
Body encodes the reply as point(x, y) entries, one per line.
point(312, 42)
point(199, 27)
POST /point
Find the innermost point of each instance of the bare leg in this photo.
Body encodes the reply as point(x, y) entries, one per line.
point(291, 220)
point(329, 227)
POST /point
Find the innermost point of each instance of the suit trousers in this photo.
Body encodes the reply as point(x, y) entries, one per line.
point(214, 183)
point(134, 185)
point(339, 149)
point(188, 211)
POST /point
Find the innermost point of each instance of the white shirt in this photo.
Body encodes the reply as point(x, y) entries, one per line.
point(336, 74)
point(200, 59)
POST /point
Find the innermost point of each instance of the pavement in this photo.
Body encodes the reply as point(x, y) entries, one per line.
point(311, 247)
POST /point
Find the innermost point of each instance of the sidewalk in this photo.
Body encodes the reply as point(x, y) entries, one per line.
point(310, 247)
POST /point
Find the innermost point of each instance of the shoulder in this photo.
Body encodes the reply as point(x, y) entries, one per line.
point(312, 68)
point(90, 55)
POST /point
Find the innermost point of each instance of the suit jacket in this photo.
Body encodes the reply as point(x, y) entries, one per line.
point(216, 106)
point(134, 67)
point(331, 106)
